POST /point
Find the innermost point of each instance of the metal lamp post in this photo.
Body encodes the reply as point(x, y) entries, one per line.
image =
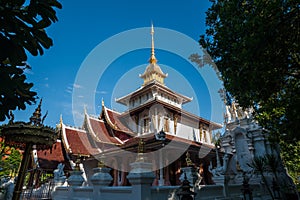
point(25, 135)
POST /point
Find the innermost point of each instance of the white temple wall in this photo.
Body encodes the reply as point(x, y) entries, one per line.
point(187, 132)
point(207, 192)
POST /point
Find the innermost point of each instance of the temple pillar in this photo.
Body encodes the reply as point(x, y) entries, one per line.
point(167, 176)
point(156, 172)
point(115, 177)
point(161, 169)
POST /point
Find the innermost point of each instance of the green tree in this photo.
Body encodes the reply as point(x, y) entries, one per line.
point(255, 46)
point(10, 163)
point(10, 159)
point(22, 29)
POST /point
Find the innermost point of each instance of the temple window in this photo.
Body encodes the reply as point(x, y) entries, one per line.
point(146, 126)
point(166, 124)
point(204, 136)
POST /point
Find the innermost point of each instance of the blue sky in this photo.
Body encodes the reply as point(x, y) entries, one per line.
point(82, 30)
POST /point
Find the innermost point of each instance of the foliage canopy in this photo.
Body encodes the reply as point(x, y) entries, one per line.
point(255, 45)
point(22, 28)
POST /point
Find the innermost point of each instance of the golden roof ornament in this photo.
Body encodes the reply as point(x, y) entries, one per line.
point(188, 160)
point(141, 146)
point(141, 151)
point(152, 59)
point(153, 71)
point(60, 119)
point(102, 102)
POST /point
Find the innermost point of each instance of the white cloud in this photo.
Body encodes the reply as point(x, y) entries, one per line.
point(69, 90)
point(77, 86)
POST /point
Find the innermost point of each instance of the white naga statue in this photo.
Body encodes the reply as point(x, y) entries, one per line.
point(59, 172)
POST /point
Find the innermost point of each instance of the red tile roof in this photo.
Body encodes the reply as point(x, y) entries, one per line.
point(50, 158)
point(79, 142)
point(101, 132)
point(115, 121)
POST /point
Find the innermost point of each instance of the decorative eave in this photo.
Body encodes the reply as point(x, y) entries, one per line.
point(90, 130)
point(152, 143)
point(212, 125)
point(115, 127)
point(66, 142)
point(151, 87)
point(64, 138)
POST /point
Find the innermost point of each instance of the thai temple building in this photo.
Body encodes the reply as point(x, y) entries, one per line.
point(156, 116)
point(157, 150)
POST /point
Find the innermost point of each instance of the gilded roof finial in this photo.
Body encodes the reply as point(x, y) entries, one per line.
point(59, 126)
point(85, 109)
point(61, 119)
point(152, 59)
point(102, 102)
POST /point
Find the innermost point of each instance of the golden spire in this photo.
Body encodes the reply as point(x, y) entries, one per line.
point(152, 59)
point(153, 71)
point(85, 109)
point(102, 102)
point(60, 119)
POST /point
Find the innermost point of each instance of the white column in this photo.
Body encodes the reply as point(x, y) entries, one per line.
point(161, 169)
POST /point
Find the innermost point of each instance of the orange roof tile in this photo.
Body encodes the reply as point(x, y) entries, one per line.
point(50, 158)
